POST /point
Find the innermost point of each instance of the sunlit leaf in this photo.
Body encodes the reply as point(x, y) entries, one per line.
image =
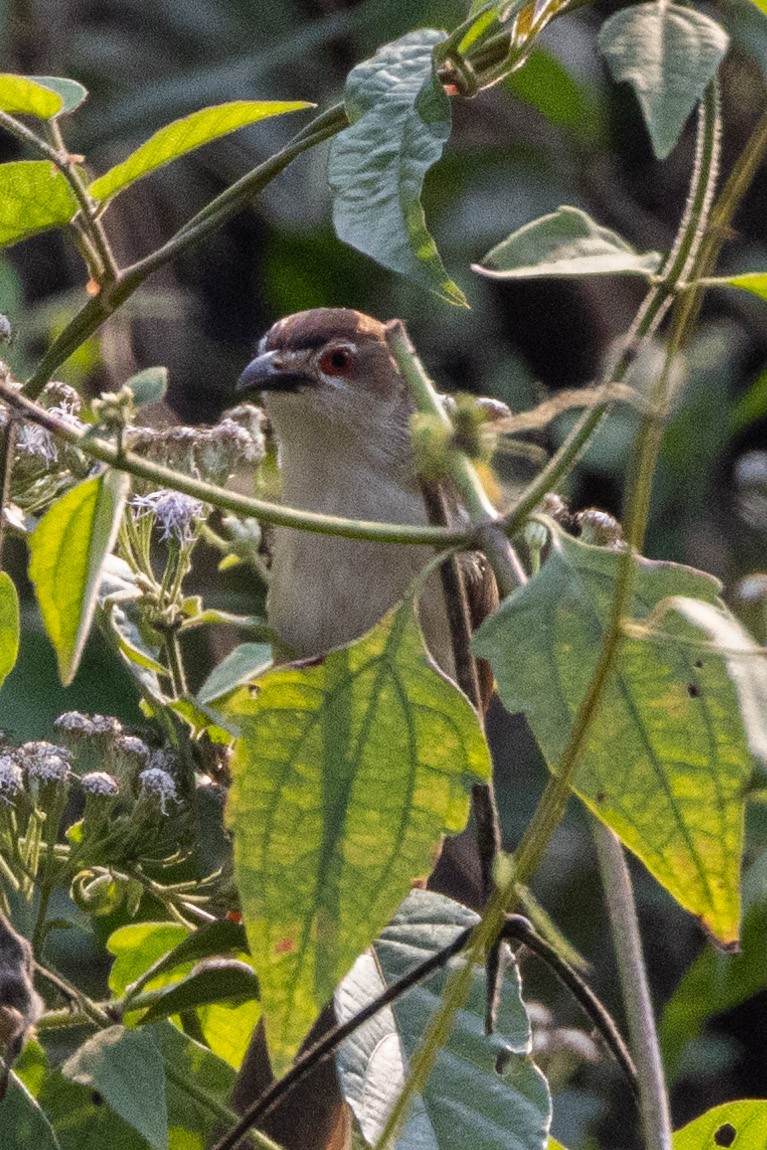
point(468, 1100)
point(737, 1124)
point(668, 54)
point(347, 773)
point(682, 723)
point(225, 980)
point(127, 1069)
point(72, 94)
point(22, 95)
point(399, 121)
point(67, 554)
point(34, 196)
point(565, 243)
point(754, 282)
point(9, 625)
point(137, 947)
point(240, 666)
point(184, 136)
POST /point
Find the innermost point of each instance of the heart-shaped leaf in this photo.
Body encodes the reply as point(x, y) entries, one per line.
point(668, 54)
point(468, 1099)
point(347, 774)
point(682, 724)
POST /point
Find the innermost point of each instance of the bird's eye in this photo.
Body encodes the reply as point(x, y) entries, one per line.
point(336, 361)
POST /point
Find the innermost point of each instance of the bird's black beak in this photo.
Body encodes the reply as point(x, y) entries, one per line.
point(267, 372)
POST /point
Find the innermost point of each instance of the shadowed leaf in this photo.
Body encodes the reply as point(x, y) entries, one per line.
point(565, 243)
point(399, 121)
point(668, 54)
point(468, 1100)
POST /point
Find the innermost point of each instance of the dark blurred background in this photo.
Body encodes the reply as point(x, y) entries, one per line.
point(556, 132)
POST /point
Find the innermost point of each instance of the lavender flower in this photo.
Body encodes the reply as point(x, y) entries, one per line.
point(158, 784)
point(174, 513)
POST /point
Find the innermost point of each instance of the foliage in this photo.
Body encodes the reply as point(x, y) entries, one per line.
point(646, 696)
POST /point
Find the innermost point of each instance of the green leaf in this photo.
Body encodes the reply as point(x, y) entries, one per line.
point(81, 1122)
point(668, 54)
point(127, 1069)
point(240, 666)
point(23, 1123)
point(138, 947)
point(565, 243)
point(347, 773)
point(34, 196)
point(738, 1124)
point(751, 406)
point(27, 96)
point(466, 1101)
point(546, 84)
point(189, 1061)
point(671, 751)
point(68, 549)
point(150, 956)
point(71, 93)
point(399, 120)
point(148, 386)
point(9, 625)
point(184, 136)
point(754, 282)
point(225, 980)
point(717, 982)
point(134, 944)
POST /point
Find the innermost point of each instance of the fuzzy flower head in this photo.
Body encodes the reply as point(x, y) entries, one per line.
point(36, 444)
point(156, 784)
point(100, 783)
point(45, 762)
point(174, 513)
point(11, 779)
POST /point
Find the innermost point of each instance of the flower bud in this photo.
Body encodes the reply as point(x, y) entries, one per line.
point(599, 528)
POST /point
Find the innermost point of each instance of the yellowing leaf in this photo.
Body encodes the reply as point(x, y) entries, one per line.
point(346, 776)
point(67, 553)
point(9, 625)
point(682, 724)
point(20, 95)
point(34, 196)
point(184, 136)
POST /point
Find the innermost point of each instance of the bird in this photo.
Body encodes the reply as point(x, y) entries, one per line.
point(340, 411)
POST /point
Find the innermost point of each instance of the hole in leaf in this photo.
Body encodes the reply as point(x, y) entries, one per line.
point(698, 663)
point(725, 1135)
point(600, 796)
point(693, 690)
point(98, 1100)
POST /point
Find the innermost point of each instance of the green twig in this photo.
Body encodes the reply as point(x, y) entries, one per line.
point(231, 500)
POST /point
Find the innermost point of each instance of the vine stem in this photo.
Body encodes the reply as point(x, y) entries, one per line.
point(653, 1097)
point(489, 530)
point(551, 807)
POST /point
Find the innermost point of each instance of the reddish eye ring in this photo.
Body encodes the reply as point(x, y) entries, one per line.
point(336, 361)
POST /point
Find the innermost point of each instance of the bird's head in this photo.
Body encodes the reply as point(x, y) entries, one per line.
point(328, 370)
